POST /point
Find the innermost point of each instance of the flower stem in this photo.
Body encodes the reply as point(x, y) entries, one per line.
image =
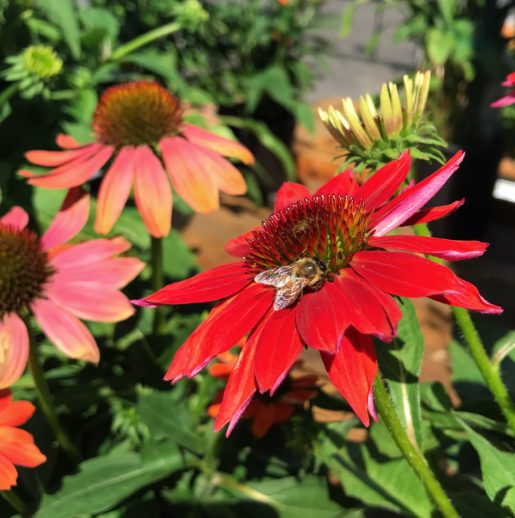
point(47, 406)
point(144, 39)
point(8, 93)
point(157, 283)
point(15, 502)
point(415, 459)
point(487, 368)
point(489, 372)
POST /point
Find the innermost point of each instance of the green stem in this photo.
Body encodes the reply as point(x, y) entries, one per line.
point(415, 459)
point(144, 39)
point(47, 406)
point(488, 369)
point(8, 93)
point(489, 372)
point(157, 283)
point(15, 502)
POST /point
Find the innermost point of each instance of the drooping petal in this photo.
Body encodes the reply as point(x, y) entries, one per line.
point(352, 371)
point(264, 418)
point(74, 173)
point(278, 347)
point(66, 331)
point(226, 324)
point(402, 274)
point(194, 183)
point(152, 192)
point(88, 253)
point(18, 447)
point(70, 219)
point(433, 213)
point(88, 302)
point(444, 248)
point(465, 295)
point(16, 218)
point(322, 316)
point(220, 145)
point(114, 190)
point(215, 284)
point(382, 185)
point(57, 158)
point(8, 474)
point(504, 101)
point(239, 390)
point(289, 193)
point(16, 413)
point(411, 200)
point(14, 349)
point(370, 310)
point(343, 183)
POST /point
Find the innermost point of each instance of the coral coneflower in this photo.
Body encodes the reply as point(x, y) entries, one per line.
point(59, 283)
point(321, 272)
point(17, 446)
point(139, 126)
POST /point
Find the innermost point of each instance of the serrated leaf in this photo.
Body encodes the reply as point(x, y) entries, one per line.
point(104, 481)
point(400, 364)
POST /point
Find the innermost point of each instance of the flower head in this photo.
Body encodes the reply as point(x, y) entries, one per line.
point(371, 136)
point(139, 129)
point(265, 411)
point(17, 446)
point(59, 283)
point(509, 99)
point(342, 229)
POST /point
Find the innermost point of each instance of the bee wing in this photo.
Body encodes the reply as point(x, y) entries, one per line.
point(277, 277)
point(286, 295)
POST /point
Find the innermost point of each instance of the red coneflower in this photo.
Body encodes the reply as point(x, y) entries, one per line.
point(59, 283)
point(321, 273)
point(139, 125)
point(17, 446)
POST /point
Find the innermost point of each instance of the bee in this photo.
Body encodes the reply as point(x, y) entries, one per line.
point(291, 280)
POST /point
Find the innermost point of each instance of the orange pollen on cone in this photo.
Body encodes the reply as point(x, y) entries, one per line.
point(24, 269)
point(329, 227)
point(136, 113)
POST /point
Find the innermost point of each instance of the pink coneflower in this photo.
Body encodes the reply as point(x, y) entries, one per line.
point(59, 283)
point(509, 99)
point(139, 126)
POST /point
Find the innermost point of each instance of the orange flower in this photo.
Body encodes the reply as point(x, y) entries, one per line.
point(139, 126)
point(17, 446)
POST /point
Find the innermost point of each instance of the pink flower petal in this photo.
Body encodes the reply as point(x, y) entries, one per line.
point(66, 141)
point(65, 331)
point(14, 349)
point(504, 101)
point(194, 182)
point(74, 173)
point(412, 199)
point(152, 192)
point(218, 144)
point(70, 219)
point(16, 218)
point(58, 158)
point(114, 190)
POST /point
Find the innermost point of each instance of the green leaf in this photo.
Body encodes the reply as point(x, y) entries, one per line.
point(167, 416)
point(497, 468)
point(64, 14)
point(400, 364)
point(346, 20)
point(439, 45)
point(103, 482)
point(448, 9)
point(289, 496)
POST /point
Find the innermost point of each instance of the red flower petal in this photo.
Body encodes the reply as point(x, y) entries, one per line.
point(8, 474)
point(444, 248)
point(382, 185)
point(239, 390)
point(371, 311)
point(466, 295)
point(215, 284)
point(343, 183)
point(352, 371)
point(289, 193)
point(263, 419)
point(433, 213)
point(322, 317)
point(239, 246)
point(278, 346)
point(412, 199)
point(16, 413)
point(224, 327)
point(402, 274)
